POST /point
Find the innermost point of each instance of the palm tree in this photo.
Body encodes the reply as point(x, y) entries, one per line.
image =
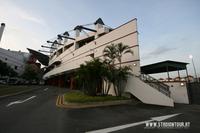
point(121, 50)
point(90, 76)
point(125, 71)
point(121, 77)
point(110, 54)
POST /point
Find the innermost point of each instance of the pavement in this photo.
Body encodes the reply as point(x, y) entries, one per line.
point(36, 112)
point(20, 92)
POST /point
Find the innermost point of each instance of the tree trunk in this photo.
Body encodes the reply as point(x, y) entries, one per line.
point(115, 89)
point(109, 84)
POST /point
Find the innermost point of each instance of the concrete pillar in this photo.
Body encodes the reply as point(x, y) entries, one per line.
point(65, 40)
point(59, 40)
point(72, 82)
point(179, 75)
point(167, 73)
point(1, 30)
point(77, 33)
point(187, 75)
point(97, 27)
point(76, 45)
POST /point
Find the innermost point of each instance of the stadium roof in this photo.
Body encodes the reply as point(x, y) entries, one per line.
point(165, 66)
point(42, 58)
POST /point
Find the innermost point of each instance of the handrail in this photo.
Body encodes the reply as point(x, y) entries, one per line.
point(163, 88)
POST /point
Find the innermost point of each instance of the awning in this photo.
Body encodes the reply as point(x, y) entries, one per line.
point(42, 58)
point(165, 66)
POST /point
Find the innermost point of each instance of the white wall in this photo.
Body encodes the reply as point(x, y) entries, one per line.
point(146, 93)
point(178, 93)
point(14, 58)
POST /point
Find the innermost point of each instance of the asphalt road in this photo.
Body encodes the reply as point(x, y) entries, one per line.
point(36, 112)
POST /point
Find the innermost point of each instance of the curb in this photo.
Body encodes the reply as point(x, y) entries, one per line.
point(62, 104)
point(58, 101)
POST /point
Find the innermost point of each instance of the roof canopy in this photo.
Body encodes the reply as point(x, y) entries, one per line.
point(165, 66)
point(42, 58)
point(99, 21)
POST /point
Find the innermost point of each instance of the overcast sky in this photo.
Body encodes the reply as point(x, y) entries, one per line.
point(168, 29)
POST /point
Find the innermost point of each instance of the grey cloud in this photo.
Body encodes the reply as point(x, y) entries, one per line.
point(161, 50)
point(158, 51)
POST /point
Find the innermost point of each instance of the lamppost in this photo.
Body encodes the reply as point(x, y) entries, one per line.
point(191, 57)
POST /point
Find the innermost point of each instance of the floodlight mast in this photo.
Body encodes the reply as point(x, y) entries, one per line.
point(191, 57)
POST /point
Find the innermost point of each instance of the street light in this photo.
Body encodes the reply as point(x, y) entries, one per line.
point(191, 57)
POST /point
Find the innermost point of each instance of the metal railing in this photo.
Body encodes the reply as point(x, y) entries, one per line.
point(161, 87)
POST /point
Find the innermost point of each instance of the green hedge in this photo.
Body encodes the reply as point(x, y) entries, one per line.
point(79, 97)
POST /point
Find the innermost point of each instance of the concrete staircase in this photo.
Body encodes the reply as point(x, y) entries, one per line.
point(149, 90)
point(163, 88)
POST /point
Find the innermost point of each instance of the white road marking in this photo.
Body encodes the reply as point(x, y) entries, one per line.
point(46, 89)
point(116, 128)
point(20, 101)
point(16, 102)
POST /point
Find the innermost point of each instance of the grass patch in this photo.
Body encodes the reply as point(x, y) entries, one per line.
point(11, 89)
point(80, 97)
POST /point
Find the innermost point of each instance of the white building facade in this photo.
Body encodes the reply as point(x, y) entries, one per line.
point(75, 51)
point(15, 59)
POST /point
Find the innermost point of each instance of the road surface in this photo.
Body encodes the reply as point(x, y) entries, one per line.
point(36, 112)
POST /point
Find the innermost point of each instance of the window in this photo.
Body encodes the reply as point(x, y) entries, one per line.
point(84, 42)
point(68, 46)
point(59, 52)
point(16, 67)
point(92, 55)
